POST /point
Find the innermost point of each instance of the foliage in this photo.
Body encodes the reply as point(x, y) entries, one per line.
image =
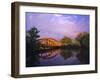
point(32, 43)
point(33, 34)
point(76, 42)
point(83, 38)
point(85, 41)
point(80, 35)
point(66, 40)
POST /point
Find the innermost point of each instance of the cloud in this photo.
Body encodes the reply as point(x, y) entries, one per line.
point(57, 25)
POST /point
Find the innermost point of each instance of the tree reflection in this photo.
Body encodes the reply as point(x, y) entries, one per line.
point(81, 54)
point(65, 53)
point(84, 56)
point(66, 56)
point(33, 61)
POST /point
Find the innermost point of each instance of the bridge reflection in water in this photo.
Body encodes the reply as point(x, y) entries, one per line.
point(55, 57)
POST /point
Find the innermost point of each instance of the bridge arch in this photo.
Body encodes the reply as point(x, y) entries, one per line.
point(49, 42)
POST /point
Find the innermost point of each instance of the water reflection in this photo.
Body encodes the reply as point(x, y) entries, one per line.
point(59, 57)
point(84, 56)
point(50, 54)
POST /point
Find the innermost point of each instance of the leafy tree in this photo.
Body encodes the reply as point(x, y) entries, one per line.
point(83, 38)
point(76, 42)
point(85, 41)
point(33, 34)
point(81, 35)
point(32, 43)
point(66, 40)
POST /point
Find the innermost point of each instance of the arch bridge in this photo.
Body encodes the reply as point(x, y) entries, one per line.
point(49, 42)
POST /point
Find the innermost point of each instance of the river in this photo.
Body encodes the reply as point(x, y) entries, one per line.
point(56, 57)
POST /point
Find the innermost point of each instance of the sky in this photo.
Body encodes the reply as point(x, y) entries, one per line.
point(57, 26)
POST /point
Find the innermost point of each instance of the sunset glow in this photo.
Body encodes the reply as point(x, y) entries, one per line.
point(57, 25)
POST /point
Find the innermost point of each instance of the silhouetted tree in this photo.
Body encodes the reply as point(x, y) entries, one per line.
point(83, 38)
point(85, 41)
point(80, 35)
point(32, 43)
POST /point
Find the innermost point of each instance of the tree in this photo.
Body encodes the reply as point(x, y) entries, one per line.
point(76, 42)
point(33, 34)
point(66, 40)
point(83, 38)
point(32, 43)
point(85, 41)
point(81, 35)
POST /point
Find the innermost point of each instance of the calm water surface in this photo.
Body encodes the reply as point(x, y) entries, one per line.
point(59, 57)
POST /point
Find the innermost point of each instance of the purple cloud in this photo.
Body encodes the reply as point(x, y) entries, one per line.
point(57, 25)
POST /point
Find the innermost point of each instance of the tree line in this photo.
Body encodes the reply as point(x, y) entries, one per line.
point(82, 40)
point(32, 44)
